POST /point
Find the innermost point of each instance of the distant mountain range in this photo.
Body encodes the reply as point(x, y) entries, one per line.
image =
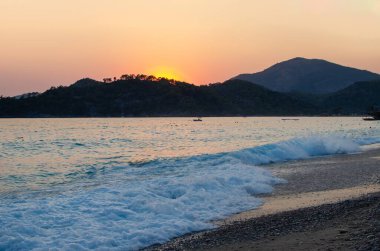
point(149, 96)
point(138, 97)
point(357, 98)
point(314, 76)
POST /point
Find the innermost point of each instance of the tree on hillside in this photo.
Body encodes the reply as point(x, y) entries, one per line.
point(107, 80)
point(127, 77)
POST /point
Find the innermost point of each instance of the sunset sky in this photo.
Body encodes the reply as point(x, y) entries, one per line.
point(48, 43)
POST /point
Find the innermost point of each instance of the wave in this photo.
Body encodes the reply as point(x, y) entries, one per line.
point(144, 204)
point(298, 148)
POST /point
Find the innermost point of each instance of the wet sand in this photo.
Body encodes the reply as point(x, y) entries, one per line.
point(328, 203)
point(280, 204)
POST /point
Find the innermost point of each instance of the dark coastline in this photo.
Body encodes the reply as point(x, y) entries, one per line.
point(188, 116)
point(145, 97)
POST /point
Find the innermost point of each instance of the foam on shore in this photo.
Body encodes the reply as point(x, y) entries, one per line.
point(140, 205)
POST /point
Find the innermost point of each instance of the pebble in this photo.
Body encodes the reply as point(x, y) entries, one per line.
point(357, 220)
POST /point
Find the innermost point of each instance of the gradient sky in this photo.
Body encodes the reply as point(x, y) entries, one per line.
point(48, 43)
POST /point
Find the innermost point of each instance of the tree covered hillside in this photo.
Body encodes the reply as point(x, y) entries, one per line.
point(149, 96)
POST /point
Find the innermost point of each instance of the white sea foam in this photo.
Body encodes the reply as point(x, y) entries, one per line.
point(133, 214)
point(144, 204)
point(298, 148)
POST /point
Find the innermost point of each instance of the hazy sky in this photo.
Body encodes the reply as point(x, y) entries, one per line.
point(45, 43)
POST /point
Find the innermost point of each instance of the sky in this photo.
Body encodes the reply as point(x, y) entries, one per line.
point(48, 43)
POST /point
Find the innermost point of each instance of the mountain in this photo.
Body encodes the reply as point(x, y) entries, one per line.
point(303, 75)
point(148, 96)
point(157, 97)
point(242, 97)
point(358, 98)
point(86, 82)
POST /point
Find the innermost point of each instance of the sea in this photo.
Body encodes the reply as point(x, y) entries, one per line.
point(128, 183)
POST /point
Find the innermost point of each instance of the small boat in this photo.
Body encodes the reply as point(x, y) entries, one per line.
point(199, 119)
point(291, 119)
point(375, 115)
point(369, 119)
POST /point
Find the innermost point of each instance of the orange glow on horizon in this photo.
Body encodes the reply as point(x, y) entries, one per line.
point(166, 72)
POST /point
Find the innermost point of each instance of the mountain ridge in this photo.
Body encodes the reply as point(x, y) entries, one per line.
point(141, 95)
point(358, 97)
point(162, 97)
point(308, 76)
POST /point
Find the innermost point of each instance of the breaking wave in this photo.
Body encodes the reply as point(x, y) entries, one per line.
point(142, 204)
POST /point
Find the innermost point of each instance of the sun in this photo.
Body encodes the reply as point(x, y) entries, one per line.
point(166, 72)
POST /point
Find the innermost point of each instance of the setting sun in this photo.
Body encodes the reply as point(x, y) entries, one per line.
point(166, 72)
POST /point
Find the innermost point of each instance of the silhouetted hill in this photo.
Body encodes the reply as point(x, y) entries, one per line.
point(86, 82)
point(313, 76)
point(358, 98)
point(242, 96)
point(157, 97)
point(149, 96)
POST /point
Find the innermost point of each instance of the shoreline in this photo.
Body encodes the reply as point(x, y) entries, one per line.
point(195, 116)
point(324, 191)
point(348, 225)
point(280, 204)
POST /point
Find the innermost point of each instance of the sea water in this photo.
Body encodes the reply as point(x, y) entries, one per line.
point(127, 183)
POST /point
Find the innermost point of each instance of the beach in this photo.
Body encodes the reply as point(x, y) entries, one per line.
point(128, 184)
point(328, 203)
